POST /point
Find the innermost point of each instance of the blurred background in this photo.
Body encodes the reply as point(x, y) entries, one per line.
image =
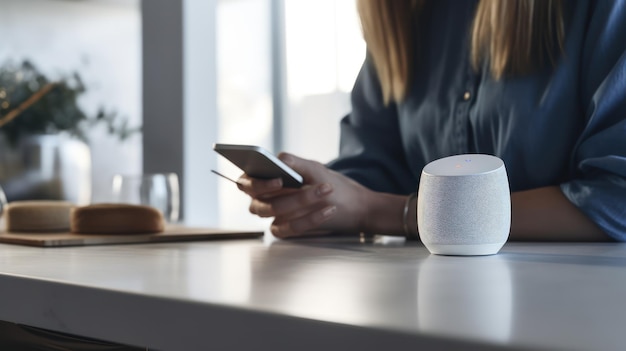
point(165, 79)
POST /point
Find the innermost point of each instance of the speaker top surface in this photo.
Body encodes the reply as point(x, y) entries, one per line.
point(463, 165)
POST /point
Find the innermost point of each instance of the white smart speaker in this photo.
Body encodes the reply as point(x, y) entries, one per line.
point(464, 205)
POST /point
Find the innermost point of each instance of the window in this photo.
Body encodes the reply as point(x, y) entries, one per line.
point(323, 51)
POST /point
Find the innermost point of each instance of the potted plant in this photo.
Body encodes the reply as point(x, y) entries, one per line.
point(44, 151)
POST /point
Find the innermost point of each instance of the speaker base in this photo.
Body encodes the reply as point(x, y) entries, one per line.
point(464, 250)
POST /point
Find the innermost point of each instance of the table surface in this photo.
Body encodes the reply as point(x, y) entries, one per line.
point(334, 293)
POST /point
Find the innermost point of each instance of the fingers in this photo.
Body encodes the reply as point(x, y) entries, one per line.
point(294, 227)
point(300, 211)
point(306, 168)
point(259, 187)
point(293, 205)
point(264, 188)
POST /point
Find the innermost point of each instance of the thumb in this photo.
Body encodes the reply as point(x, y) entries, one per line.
point(308, 169)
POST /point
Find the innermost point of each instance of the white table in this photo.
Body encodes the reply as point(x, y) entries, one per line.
point(320, 294)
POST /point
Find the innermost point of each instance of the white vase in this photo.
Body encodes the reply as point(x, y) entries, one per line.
point(46, 166)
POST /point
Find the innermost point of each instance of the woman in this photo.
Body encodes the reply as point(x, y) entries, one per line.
point(538, 83)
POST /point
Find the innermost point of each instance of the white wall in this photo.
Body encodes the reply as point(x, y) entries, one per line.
point(101, 39)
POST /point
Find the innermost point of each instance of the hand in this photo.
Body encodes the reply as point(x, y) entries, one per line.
point(328, 201)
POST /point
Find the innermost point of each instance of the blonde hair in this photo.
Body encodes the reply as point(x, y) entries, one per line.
point(514, 37)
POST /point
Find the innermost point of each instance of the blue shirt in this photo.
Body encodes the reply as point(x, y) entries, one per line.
point(563, 125)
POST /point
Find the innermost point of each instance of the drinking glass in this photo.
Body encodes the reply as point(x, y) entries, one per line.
point(158, 190)
point(3, 202)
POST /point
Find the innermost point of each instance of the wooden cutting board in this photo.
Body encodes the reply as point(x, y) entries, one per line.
point(172, 233)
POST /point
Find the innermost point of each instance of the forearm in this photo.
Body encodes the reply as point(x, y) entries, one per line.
point(545, 214)
point(542, 214)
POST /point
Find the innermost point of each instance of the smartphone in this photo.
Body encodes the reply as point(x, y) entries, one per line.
point(257, 162)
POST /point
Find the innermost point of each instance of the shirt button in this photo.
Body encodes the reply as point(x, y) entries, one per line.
point(467, 96)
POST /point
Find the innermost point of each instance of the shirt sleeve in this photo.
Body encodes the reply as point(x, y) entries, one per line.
point(599, 185)
point(371, 150)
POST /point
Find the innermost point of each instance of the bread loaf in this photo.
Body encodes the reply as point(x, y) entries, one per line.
point(116, 219)
point(38, 216)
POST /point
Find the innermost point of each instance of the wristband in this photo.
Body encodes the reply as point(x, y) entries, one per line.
point(410, 233)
